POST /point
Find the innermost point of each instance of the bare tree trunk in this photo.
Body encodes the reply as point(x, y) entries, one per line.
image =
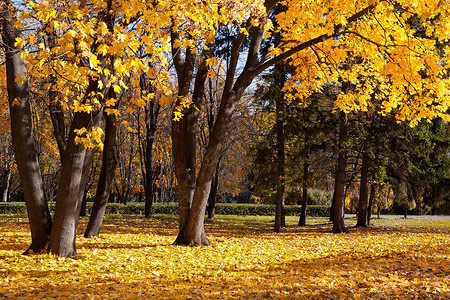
point(148, 176)
point(106, 179)
point(184, 154)
point(302, 221)
point(6, 178)
point(6, 185)
point(74, 176)
point(55, 108)
point(333, 202)
point(151, 117)
point(338, 220)
point(22, 134)
point(83, 209)
point(279, 215)
point(213, 193)
point(373, 191)
point(363, 203)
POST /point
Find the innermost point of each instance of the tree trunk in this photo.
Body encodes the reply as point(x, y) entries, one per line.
point(333, 201)
point(106, 179)
point(83, 209)
point(213, 194)
point(6, 183)
point(279, 110)
point(74, 175)
point(184, 153)
point(338, 220)
point(55, 108)
point(373, 191)
point(151, 117)
point(22, 135)
point(192, 234)
point(363, 203)
point(148, 175)
point(302, 221)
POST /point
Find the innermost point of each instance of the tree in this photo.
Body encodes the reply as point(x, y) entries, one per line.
point(352, 29)
point(22, 134)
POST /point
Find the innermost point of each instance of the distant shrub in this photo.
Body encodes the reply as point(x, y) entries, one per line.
point(172, 209)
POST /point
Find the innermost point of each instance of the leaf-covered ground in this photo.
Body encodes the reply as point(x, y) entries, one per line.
point(133, 259)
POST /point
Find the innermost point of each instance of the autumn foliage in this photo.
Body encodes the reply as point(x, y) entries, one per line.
point(134, 259)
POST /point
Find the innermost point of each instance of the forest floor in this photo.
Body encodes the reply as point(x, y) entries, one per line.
point(133, 258)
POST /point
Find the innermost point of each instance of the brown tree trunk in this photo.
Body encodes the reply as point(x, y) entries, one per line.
point(106, 179)
point(363, 203)
point(148, 177)
point(184, 145)
point(151, 117)
point(302, 220)
point(74, 176)
point(213, 194)
point(339, 204)
point(83, 209)
point(333, 201)
point(6, 178)
point(5, 186)
point(373, 191)
point(55, 108)
point(279, 215)
point(22, 134)
point(184, 153)
point(57, 116)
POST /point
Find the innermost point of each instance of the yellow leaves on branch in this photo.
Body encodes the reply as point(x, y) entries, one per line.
point(387, 45)
point(90, 138)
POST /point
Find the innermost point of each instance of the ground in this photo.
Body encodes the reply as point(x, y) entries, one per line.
point(134, 259)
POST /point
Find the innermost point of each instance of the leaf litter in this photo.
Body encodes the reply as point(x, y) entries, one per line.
point(133, 258)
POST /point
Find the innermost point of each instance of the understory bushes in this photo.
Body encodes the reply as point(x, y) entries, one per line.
point(172, 208)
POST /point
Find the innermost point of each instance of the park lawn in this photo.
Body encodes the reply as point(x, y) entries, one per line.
point(133, 258)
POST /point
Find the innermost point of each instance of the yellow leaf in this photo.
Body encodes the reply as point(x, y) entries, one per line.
point(20, 43)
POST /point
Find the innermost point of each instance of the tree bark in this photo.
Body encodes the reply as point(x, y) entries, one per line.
point(55, 108)
point(279, 110)
point(363, 203)
point(106, 179)
point(74, 175)
point(213, 193)
point(6, 181)
point(339, 205)
point(151, 117)
point(22, 135)
point(148, 176)
point(373, 191)
point(333, 201)
point(83, 209)
point(302, 220)
point(6, 177)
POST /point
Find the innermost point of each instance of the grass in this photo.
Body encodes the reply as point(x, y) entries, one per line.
point(133, 258)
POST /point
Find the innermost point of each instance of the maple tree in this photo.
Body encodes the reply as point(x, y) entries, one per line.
point(371, 28)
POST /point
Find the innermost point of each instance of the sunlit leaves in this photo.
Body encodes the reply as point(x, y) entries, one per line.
point(135, 258)
point(394, 46)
